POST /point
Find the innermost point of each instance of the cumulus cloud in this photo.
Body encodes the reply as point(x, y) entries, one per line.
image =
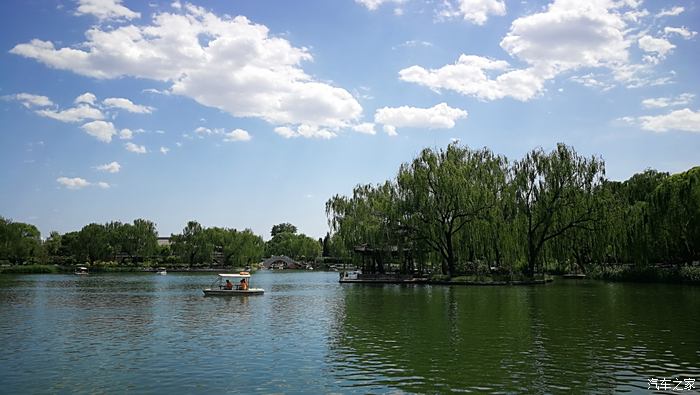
point(471, 76)
point(661, 102)
point(101, 130)
point(112, 167)
point(226, 63)
point(681, 31)
point(29, 100)
point(75, 114)
point(567, 36)
point(73, 183)
point(126, 104)
point(138, 149)
point(660, 46)
point(440, 116)
point(126, 134)
point(105, 9)
point(475, 11)
point(164, 150)
point(103, 185)
point(390, 130)
point(366, 128)
point(86, 97)
point(677, 10)
point(237, 135)
point(305, 131)
point(685, 120)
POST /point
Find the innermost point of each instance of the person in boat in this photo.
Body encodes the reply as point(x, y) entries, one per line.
point(228, 285)
point(244, 285)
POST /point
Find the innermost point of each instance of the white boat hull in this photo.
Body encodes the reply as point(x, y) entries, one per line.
point(231, 292)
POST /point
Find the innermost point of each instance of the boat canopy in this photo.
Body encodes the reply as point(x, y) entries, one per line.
point(236, 275)
point(82, 268)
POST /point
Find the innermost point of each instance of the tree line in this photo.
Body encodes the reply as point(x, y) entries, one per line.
point(137, 244)
point(459, 210)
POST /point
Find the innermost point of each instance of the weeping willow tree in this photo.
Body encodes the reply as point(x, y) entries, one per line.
point(367, 218)
point(459, 210)
point(555, 195)
point(442, 193)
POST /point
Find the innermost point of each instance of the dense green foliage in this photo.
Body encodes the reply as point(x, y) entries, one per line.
point(197, 246)
point(286, 241)
point(119, 246)
point(462, 211)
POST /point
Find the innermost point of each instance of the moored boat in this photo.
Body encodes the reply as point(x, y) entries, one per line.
point(162, 271)
point(232, 284)
point(81, 271)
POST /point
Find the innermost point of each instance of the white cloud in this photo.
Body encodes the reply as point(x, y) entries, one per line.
point(102, 130)
point(366, 128)
point(73, 183)
point(475, 11)
point(440, 116)
point(413, 44)
point(103, 185)
point(112, 167)
point(681, 31)
point(661, 102)
point(203, 131)
point(592, 81)
point(655, 45)
point(226, 63)
point(374, 4)
point(126, 134)
point(28, 100)
point(672, 12)
point(566, 36)
point(307, 131)
point(683, 120)
point(390, 130)
point(470, 76)
point(126, 104)
point(285, 132)
point(105, 9)
point(164, 150)
point(76, 114)
point(237, 135)
point(138, 149)
point(86, 97)
point(569, 35)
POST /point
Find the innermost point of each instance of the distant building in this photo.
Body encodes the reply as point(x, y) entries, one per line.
point(163, 241)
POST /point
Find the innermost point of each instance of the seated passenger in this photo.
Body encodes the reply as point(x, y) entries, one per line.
point(244, 285)
point(228, 285)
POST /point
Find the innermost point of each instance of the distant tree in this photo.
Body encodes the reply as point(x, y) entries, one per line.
point(19, 242)
point(293, 245)
point(52, 244)
point(281, 228)
point(93, 243)
point(193, 245)
point(326, 245)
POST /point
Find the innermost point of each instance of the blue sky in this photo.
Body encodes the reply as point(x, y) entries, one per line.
point(251, 113)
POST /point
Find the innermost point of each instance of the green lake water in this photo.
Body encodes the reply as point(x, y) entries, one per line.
point(144, 333)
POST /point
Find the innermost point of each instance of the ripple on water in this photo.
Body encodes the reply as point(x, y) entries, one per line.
point(155, 334)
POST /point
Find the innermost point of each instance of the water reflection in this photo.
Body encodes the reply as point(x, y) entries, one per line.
point(591, 337)
point(157, 334)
